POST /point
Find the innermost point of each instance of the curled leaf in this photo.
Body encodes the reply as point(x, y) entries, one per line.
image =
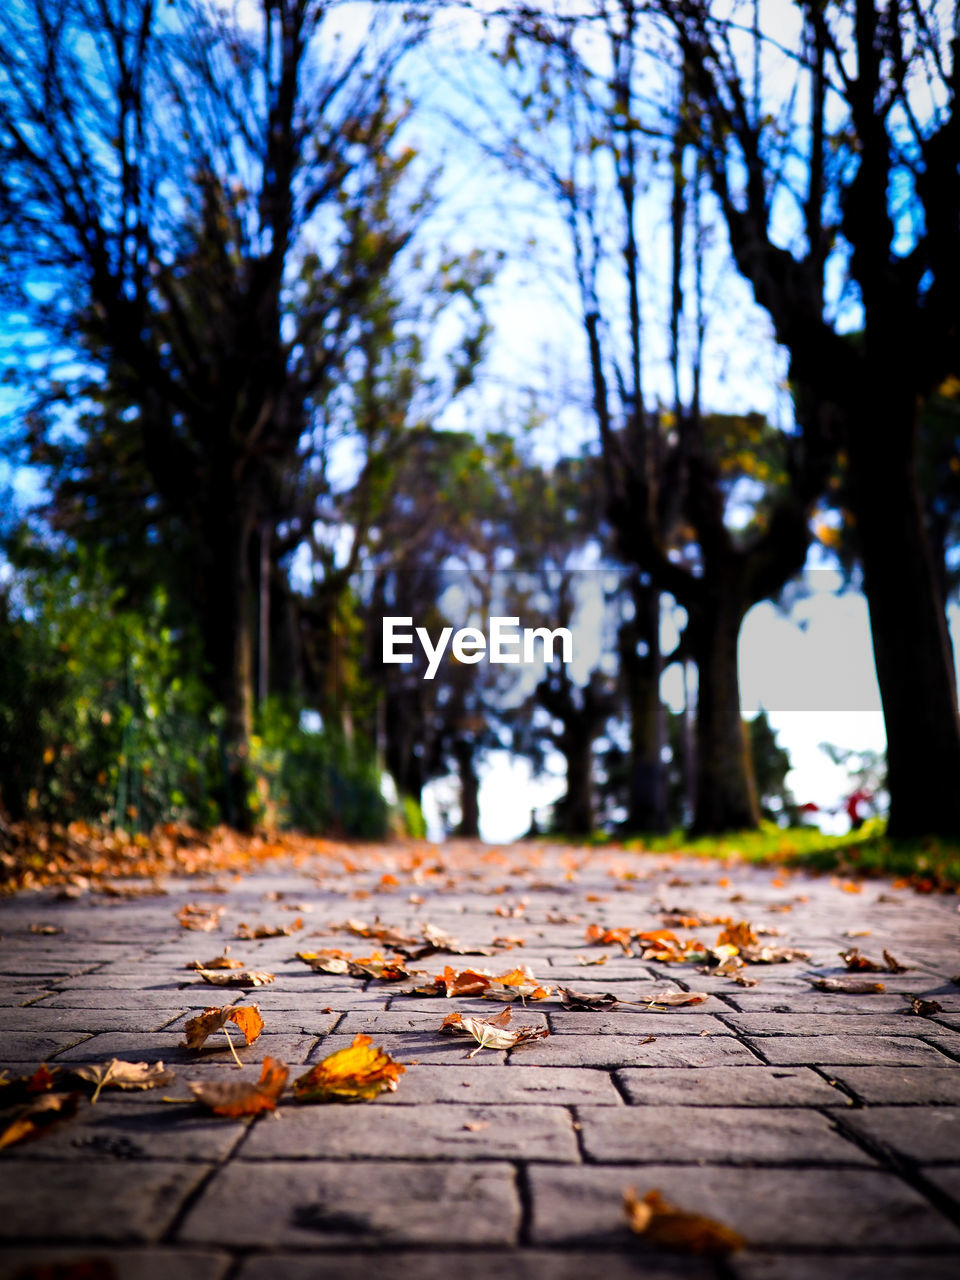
point(236, 978)
point(849, 986)
point(491, 1033)
point(355, 1074)
point(244, 1097)
point(925, 1008)
point(665, 1226)
point(738, 935)
point(246, 933)
point(582, 1001)
point(673, 999)
point(116, 1074)
point(246, 1017)
point(198, 917)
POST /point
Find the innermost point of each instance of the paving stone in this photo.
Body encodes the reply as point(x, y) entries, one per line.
point(615, 1023)
point(824, 1024)
point(631, 1051)
point(923, 1085)
point(849, 1208)
point(729, 1087)
point(323, 1204)
point(89, 1021)
point(149, 1046)
point(841, 1050)
point(124, 1264)
point(439, 1132)
point(558, 1086)
point(516, 1264)
point(125, 998)
point(36, 1046)
point(805, 1000)
point(135, 1127)
point(71, 1200)
point(688, 1135)
point(926, 1135)
point(837, 1267)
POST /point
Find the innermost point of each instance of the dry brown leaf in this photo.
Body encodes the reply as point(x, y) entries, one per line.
point(116, 1074)
point(857, 962)
point(355, 1074)
point(665, 1226)
point(244, 1097)
point(849, 986)
point(218, 962)
point(892, 963)
point(20, 1089)
point(36, 1117)
point(925, 1008)
point(246, 933)
point(583, 1001)
point(46, 928)
point(200, 917)
point(672, 999)
point(236, 978)
point(772, 955)
point(491, 1033)
point(245, 1016)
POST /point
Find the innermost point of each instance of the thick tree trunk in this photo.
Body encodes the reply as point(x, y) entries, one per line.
point(469, 826)
point(575, 810)
point(725, 793)
point(228, 635)
point(647, 800)
point(910, 642)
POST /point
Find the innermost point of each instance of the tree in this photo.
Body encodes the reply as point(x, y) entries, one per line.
point(194, 210)
point(667, 481)
point(870, 112)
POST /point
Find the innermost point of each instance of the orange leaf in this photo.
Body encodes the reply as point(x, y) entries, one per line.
point(355, 1074)
point(665, 1226)
point(244, 1097)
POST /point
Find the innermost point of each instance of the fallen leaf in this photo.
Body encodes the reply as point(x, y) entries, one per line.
point(892, 963)
point(244, 1097)
point(849, 986)
point(738, 935)
point(201, 918)
point(856, 933)
point(355, 1074)
point(245, 1016)
point(588, 960)
point(218, 962)
point(116, 1074)
point(34, 1119)
point(46, 928)
point(600, 937)
point(772, 955)
point(925, 1008)
point(671, 999)
point(857, 962)
point(474, 1126)
point(491, 1033)
point(581, 1000)
point(665, 1226)
point(20, 1089)
point(236, 978)
point(246, 933)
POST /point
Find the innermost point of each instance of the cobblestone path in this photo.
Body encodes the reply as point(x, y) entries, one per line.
point(823, 1127)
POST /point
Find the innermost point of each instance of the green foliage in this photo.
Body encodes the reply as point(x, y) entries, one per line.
point(316, 782)
point(99, 720)
point(411, 814)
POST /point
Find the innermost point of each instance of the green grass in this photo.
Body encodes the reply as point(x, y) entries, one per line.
point(927, 864)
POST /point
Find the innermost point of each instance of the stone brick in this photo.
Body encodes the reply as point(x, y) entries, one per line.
point(557, 1086)
point(841, 1050)
point(436, 1131)
point(845, 1208)
point(902, 1084)
point(72, 1200)
point(729, 1087)
point(324, 1204)
point(925, 1134)
point(631, 1051)
point(688, 1135)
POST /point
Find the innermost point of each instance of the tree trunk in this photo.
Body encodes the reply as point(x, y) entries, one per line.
point(910, 642)
point(469, 791)
point(647, 800)
point(575, 810)
point(228, 643)
point(725, 792)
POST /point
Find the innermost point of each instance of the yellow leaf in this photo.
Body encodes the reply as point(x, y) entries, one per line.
point(355, 1074)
